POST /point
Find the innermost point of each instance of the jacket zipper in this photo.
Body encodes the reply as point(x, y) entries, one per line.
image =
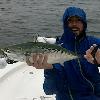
point(70, 94)
point(82, 71)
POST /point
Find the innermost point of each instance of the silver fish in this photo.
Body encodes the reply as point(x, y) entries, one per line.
point(55, 53)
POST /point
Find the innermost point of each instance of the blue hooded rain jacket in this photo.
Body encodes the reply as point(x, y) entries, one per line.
point(77, 79)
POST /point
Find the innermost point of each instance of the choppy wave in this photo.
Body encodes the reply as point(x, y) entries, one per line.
point(20, 19)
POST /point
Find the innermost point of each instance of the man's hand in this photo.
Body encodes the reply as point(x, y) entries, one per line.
point(39, 61)
point(89, 57)
point(98, 56)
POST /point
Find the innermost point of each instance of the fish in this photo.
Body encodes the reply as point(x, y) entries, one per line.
point(22, 52)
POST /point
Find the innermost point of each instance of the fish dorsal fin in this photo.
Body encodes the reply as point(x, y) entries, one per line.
point(35, 36)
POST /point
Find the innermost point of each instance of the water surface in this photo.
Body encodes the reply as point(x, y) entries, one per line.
point(20, 19)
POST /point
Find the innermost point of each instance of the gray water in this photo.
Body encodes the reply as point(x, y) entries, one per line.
point(20, 19)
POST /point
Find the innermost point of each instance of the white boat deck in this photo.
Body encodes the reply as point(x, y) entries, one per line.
point(21, 82)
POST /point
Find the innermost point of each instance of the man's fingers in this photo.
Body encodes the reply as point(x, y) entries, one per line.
point(94, 45)
point(97, 56)
point(91, 48)
point(88, 55)
point(45, 59)
point(88, 52)
point(89, 58)
point(40, 60)
point(35, 59)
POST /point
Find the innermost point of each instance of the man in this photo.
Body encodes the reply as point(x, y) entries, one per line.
point(94, 59)
point(77, 79)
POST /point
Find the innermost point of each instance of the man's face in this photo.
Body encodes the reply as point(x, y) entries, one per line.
point(75, 24)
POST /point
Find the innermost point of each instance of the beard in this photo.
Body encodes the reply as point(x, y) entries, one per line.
point(76, 31)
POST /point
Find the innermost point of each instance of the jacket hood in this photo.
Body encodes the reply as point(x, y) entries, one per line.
point(73, 11)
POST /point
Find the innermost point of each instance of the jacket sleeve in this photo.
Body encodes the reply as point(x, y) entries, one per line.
point(54, 79)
